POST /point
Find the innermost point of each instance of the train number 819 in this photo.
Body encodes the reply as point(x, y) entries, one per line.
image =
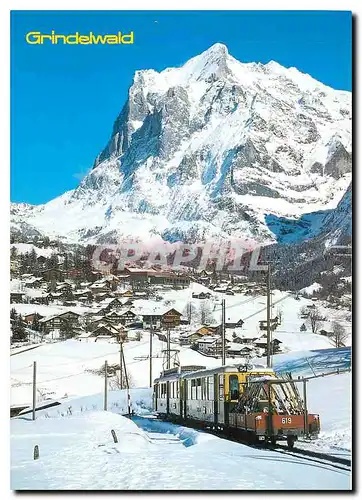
point(286, 420)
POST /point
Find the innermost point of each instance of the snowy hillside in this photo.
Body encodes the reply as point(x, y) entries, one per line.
point(214, 148)
point(76, 450)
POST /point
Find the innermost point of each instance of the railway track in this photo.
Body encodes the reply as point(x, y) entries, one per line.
point(314, 454)
point(307, 455)
point(322, 459)
point(317, 458)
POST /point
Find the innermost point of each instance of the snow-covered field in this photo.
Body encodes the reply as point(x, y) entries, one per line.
point(76, 451)
point(61, 367)
point(76, 447)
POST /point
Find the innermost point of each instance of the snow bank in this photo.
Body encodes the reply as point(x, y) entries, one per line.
point(77, 452)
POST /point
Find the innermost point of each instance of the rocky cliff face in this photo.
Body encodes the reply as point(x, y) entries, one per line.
point(215, 148)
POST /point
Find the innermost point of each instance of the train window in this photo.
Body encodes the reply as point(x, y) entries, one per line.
point(204, 388)
point(198, 390)
point(234, 387)
point(178, 389)
point(221, 387)
point(193, 389)
point(211, 388)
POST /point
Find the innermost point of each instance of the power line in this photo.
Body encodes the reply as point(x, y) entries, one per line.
point(264, 308)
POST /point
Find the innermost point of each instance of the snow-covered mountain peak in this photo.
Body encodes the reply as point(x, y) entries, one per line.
point(210, 149)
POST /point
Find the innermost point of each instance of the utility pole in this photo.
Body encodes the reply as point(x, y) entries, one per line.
point(127, 384)
point(306, 428)
point(268, 359)
point(105, 385)
point(151, 333)
point(223, 362)
point(120, 362)
point(168, 349)
point(34, 389)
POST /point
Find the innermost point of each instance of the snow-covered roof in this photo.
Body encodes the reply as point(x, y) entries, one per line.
point(234, 346)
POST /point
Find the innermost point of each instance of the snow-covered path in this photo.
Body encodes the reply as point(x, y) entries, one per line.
point(77, 452)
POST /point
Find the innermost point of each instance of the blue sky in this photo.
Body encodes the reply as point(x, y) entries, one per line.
point(65, 98)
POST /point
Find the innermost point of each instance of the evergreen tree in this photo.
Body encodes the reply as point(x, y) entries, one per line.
point(35, 325)
point(53, 261)
point(24, 263)
point(66, 330)
point(68, 294)
point(46, 241)
point(33, 262)
point(78, 259)
point(66, 263)
point(13, 253)
point(18, 330)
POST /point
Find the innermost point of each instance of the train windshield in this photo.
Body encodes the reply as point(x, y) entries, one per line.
point(234, 387)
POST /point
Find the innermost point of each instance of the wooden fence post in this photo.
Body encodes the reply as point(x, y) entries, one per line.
point(114, 435)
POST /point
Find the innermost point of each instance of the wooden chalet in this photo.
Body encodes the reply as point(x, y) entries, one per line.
point(171, 318)
point(126, 293)
point(56, 322)
point(211, 345)
point(111, 304)
point(95, 276)
point(100, 287)
point(233, 322)
point(201, 295)
point(235, 349)
point(17, 297)
point(34, 282)
point(73, 273)
point(263, 325)
point(127, 316)
point(209, 330)
point(156, 276)
point(263, 344)
point(28, 318)
point(106, 329)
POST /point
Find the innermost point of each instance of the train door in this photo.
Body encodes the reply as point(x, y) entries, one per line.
point(220, 391)
point(182, 398)
point(167, 397)
point(231, 394)
point(216, 399)
point(155, 393)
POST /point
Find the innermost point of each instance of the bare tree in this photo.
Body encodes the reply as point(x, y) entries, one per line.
point(339, 334)
point(304, 312)
point(189, 311)
point(280, 316)
point(315, 319)
point(205, 313)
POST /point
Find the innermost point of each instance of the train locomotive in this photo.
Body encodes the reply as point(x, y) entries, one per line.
point(249, 402)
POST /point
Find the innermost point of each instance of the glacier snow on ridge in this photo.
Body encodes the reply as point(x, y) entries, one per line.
point(209, 150)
